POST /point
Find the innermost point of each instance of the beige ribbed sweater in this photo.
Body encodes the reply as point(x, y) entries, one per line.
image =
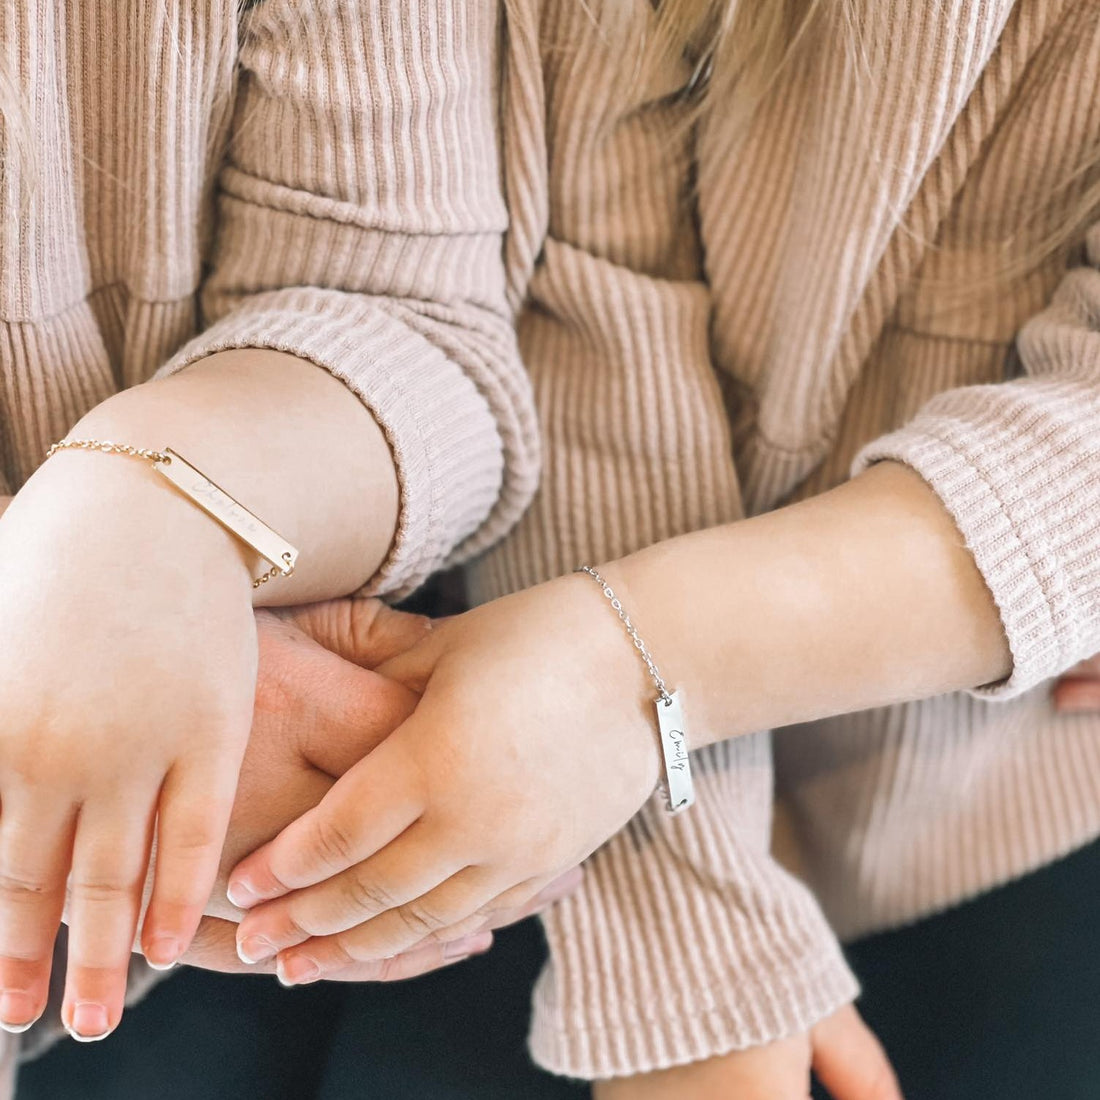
point(709, 326)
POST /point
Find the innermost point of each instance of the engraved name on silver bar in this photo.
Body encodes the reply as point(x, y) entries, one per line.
point(670, 718)
point(231, 514)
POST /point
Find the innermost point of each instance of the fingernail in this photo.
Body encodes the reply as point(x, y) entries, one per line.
point(242, 894)
point(163, 952)
point(90, 1022)
point(254, 949)
point(18, 1011)
point(468, 945)
point(297, 970)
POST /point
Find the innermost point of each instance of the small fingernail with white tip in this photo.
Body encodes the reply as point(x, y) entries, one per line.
point(18, 1012)
point(254, 949)
point(243, 894)
point(163, 952)
point(90, 1022)
point(297, 970)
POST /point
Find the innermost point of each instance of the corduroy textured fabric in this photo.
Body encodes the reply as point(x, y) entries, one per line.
point(709, 324)
point(717, 323)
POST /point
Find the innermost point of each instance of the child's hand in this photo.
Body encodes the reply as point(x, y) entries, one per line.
point(845, 1056)
point(534, 742)
point(317, 715)
point(127, 674)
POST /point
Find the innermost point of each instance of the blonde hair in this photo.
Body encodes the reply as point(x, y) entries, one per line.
point(739, 48)
point(743, 44)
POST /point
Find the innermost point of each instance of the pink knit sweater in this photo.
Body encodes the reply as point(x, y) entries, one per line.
point(708, 325)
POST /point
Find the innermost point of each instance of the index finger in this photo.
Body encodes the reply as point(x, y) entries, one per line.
point(334, 711)
point(371, 805)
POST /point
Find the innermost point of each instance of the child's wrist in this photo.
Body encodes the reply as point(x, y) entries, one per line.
point(90, 505)
point(148, 417)
point(666, 703)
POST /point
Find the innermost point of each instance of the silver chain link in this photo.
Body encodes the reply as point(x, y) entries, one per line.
point(639, 645)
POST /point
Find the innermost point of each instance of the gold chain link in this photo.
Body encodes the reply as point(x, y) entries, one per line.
point(273, 572)
point(105, 446)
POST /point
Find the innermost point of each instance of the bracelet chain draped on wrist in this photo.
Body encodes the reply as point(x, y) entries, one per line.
point(677, 785)
point(211, 498)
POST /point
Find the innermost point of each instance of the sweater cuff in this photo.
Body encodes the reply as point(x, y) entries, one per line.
point(685, 941)
point(1016, 467)
point(446, 447)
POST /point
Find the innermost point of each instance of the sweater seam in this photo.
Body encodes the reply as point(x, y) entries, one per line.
point(402, 231)
point(951, 338)
point(100, 288)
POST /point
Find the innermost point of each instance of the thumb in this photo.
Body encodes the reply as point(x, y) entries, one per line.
point(364, 631)
point(849, 1060)
point(352, 710)
point(332, 712)
point(414, 667)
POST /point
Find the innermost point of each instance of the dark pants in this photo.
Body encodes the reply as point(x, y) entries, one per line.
point(996, 1000)
point(457, 1034)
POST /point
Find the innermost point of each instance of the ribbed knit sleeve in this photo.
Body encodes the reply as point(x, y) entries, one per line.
point(360, 226)
point(686, 939)
point(1018, 466)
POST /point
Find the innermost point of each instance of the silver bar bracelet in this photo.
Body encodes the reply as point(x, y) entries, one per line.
point(677, 785)
point(678, 781)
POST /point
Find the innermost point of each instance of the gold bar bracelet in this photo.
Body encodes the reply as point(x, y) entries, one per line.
point(230, 513)
point(211, 498)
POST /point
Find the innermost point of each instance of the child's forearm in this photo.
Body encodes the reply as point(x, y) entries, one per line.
point(291, 442)
point(861, 597)
point(858, 597)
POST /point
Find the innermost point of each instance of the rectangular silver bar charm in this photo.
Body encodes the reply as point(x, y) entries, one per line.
point(231, 514)
point(670, 718)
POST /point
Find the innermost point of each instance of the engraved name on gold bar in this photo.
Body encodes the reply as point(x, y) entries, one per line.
point(230, 513)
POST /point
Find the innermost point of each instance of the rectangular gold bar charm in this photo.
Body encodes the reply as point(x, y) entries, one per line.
point(231, 514)
point(679, 786)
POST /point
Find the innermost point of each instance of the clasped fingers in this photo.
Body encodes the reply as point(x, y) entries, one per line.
point(444, 947)
point(398, 880)
point(370, 806)
point(451, 916)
